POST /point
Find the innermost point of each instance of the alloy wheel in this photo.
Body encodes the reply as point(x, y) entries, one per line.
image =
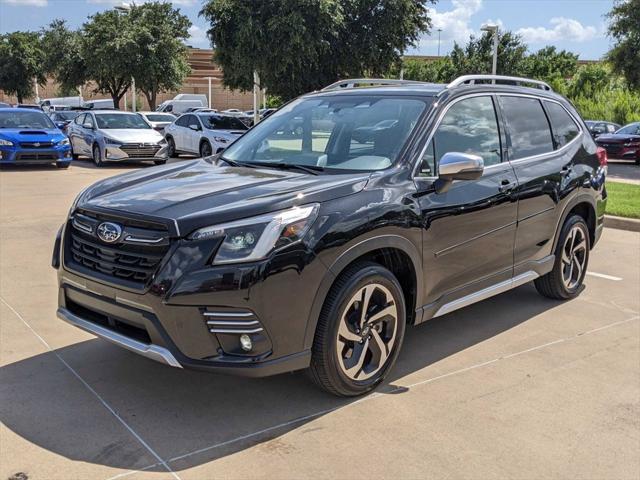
point(367, 332)
point(574, 257)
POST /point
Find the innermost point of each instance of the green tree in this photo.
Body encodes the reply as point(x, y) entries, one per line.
point(549, 64)
point(63, 56)
point(624, 27)
point(21, 63)
point(477, 55)
point(159, 33)
point(110, 52)
point(302, 45)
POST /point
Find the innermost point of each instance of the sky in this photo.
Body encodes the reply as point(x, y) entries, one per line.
point(575, 25)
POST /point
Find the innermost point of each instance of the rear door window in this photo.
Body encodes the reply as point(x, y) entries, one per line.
point(563, 126)
point(527, 125)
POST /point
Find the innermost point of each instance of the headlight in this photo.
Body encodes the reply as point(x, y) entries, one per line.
point(63, 142)
point(77, 200)
point(630, 144)
point(111, 141)
point(6, 143)
point(221, 139)
point(255, 238)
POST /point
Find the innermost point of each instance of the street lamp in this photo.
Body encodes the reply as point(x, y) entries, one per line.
point(493, 29)
point(439, 30)
point(126, 8)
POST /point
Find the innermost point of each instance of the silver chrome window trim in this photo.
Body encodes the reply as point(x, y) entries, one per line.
point(490, 94)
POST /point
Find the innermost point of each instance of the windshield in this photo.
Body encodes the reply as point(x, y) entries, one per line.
point(112, 121)
point(63, 116)
point(350, 132)
point(220, 122)
point(25, 119)
point(158, 117)
point(631, 129)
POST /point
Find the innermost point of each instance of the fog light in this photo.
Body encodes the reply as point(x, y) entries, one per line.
point(245, 342)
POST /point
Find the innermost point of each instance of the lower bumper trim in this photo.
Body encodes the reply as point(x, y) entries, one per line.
point(154, 352)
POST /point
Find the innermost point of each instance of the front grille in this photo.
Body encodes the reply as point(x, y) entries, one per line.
point(35, 156)
point(36, 144)
point(140, 150)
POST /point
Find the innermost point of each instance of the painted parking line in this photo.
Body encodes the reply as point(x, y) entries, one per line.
point(153, 453)
point(381, 394)
point(605, 276)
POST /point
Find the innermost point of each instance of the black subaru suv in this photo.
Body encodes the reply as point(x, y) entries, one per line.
point(319, 235)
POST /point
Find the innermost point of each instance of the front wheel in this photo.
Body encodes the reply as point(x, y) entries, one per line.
point(570, 265)
point(97, 156)
point(205, 149)
point(62, 164)
point(171, 148)
point(159, 162)
point(359, 332)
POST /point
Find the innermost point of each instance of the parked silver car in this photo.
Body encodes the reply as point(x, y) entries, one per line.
point(202, 134)
point(158, 120)
point(114, 136)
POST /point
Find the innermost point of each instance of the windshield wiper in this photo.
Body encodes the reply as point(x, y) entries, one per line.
point(234, 163)
point(311, 169)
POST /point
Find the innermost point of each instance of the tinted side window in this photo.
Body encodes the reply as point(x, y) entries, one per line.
point(80, 119)
point(182, 121)
point(527, 125)
point(563, 126)
point(469, 126)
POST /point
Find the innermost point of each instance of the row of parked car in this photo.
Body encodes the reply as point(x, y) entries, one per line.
point(29, 136)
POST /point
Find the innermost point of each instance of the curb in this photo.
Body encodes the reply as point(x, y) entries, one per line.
point(621, 223)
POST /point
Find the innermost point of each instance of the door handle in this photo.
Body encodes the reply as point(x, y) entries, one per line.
point(506, 186)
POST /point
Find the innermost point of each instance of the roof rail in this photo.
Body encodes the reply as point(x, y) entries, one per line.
point(472, 79)
point(368, 82)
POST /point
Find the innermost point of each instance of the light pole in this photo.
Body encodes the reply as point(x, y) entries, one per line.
point(126, 8)
point(493, 29)
point(439, 30)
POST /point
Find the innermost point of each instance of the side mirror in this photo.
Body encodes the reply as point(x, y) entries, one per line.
point(88, 126)
point(194, 127)
point(61, 125)
point(458, 166)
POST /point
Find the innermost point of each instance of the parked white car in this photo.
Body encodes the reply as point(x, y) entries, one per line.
point(202, 134)
point(178, 107)
point(158, 120)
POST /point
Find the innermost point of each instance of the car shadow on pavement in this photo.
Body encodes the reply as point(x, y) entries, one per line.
point(179, 412)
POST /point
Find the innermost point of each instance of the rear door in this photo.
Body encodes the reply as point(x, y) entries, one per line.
point(543, 160)
point(469, 230)
point(180, 133)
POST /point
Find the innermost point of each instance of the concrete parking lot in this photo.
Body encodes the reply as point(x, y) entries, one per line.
point(517, 386)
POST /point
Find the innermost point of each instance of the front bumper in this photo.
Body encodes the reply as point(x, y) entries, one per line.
point(34, 156)
point(192, 315)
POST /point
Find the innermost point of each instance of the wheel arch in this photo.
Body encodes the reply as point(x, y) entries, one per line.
point(393, 252)
point(585, 206)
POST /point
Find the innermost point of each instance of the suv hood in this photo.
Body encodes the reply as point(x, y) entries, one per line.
point(133, 135)
point(199, 193)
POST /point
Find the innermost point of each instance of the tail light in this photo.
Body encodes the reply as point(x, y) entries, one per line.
point(601, 153)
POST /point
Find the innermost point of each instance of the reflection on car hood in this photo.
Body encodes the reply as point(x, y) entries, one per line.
point(17, 135)
point(133, 135)
point(199, 193)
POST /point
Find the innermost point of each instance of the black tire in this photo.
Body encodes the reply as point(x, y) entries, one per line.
point(159, 162)
point(74, 156)
point(63, 164)
point(97, 156)
point(171, 149)
point(554, 284)
point(326, 369)
point(205, 149)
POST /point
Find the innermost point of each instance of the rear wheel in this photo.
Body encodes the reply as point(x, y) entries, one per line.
point(359, 332)
point(97, 156)
point(205, 149)
point(570, 266)
point(62, 164)
point(159, 162)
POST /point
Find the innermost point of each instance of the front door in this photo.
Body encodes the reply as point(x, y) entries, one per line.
point(469, 230)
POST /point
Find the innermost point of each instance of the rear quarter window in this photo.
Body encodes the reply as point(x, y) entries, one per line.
point(527, 125)
point(564, 127)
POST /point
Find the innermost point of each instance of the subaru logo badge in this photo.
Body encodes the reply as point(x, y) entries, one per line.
point(109, 232)
point(37, 144)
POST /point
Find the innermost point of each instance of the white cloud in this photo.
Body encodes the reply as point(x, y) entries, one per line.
point(562, 28)
point(27, 3)
point(198, 37)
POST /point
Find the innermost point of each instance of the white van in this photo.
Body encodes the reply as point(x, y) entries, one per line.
point(99, 104)
point(178, 107)
point(193, 96)
point(47, 103)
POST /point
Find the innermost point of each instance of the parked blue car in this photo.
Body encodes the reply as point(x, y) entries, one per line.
point(29, 137)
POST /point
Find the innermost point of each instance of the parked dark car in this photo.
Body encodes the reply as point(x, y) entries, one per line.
point(624, 143)
point(597, 127)
point(62, 118)
point(317, 251)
